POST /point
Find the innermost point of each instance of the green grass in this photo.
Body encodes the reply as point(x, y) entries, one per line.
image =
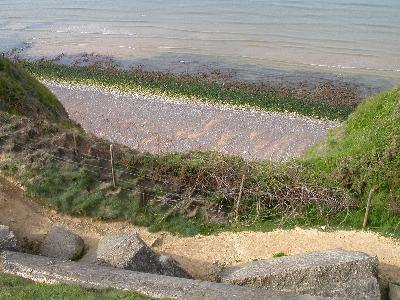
point(16, 288)
point(239, 94)
point(364, 154)
point(279, 254)
point(22, 94)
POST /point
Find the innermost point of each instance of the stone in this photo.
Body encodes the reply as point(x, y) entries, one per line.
point(52, 270)
point(333, 273)
point(8, 241)
point(126, 250)
point(394, 291)
point(62, 243)
point(171, 267)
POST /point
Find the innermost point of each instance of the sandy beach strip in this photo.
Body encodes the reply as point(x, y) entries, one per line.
point(163, 124)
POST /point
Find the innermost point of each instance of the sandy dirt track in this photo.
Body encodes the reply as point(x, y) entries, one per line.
point(203, 256)
point(162, 124)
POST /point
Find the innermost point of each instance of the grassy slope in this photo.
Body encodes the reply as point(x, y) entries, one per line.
point(364, 154)
point(23, 95)
point(335, 105)
point(16, 288)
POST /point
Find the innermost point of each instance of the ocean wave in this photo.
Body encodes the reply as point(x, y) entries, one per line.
point(354, 68)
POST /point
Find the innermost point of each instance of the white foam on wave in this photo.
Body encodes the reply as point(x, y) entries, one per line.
point(353, 68)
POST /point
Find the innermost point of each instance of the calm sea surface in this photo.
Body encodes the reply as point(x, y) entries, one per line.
point(356, 36)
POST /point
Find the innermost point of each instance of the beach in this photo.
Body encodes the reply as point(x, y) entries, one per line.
point(160, 124)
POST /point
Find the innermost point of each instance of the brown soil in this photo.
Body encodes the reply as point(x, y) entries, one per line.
point(203, 256)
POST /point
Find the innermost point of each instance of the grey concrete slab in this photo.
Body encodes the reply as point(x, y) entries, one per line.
point(50, 270)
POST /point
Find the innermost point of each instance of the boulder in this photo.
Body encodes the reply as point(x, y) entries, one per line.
point(8, 241)
point(333, 273)
point(127, 250)
point(62, 243)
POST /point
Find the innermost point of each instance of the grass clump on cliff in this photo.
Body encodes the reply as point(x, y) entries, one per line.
point(21, 94)
point(16, 288)
point(324, 101)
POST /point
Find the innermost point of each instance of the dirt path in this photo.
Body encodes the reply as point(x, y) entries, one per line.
point(203, 256)
point(159, 124)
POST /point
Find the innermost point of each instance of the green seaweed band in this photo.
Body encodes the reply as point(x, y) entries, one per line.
point(238, 94)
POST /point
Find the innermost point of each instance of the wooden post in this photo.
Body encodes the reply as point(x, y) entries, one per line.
point(258, 208)
point(112, 165)
point(239, 199)
point(367, 208)
point(75, 144)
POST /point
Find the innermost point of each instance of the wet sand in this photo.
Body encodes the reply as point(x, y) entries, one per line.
point(163, 124)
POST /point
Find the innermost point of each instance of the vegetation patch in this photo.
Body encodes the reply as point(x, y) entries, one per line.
point(323, 101)
point(21, 94)
point(364, 156)
point(279, 254)
point(16, 288)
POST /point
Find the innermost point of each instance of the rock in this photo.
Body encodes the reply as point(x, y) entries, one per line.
point(43, 269)
point(394, 291)
point(127, 250)
point(333, 273)
point(62, 243)
point(170, 267)
point(8, 241)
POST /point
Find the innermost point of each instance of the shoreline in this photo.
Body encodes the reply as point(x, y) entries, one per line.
point(322, 100)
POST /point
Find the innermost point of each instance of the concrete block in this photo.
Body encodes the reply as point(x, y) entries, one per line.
point(334, 273)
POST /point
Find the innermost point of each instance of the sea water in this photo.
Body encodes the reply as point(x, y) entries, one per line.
point(359, 36)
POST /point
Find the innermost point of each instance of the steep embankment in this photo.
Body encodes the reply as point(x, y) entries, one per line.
point(363, 156)
point(21, 94)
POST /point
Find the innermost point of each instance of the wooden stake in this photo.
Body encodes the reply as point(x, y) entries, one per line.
point(112, 166)
point(367, 208)
point(258, 208)
point(75, 144)
point(239, 199)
